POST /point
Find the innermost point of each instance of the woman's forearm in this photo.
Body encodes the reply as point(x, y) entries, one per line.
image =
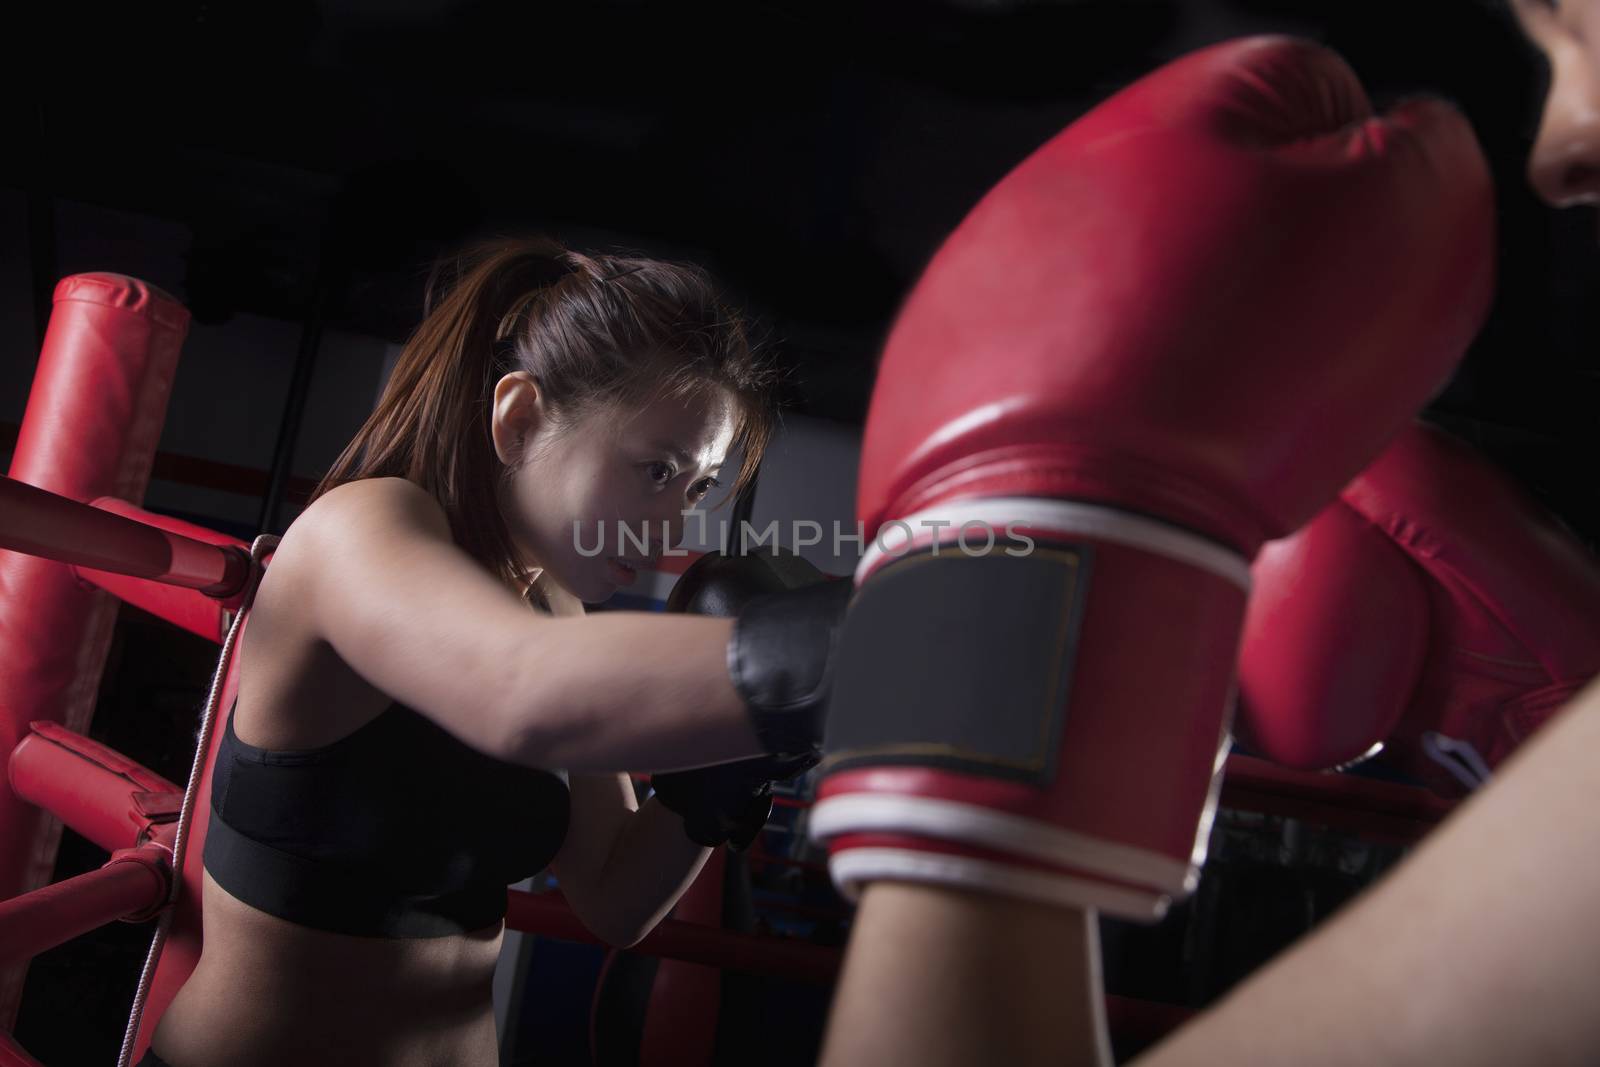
point(651, 864)
point(1479, 949)
point(629, 691)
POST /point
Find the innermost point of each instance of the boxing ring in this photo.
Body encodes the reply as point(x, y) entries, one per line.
point(74, 543)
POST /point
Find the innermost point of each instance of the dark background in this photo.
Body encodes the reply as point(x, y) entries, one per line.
point(812, 153)
point(319, 156)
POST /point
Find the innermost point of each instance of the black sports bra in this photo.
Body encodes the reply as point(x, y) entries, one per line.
point(395, 830)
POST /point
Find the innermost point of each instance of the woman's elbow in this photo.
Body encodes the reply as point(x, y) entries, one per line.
point(627, 938)
point(618, 929)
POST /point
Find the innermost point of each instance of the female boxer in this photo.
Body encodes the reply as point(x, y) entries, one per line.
point(417, 664)
point(1478, 950)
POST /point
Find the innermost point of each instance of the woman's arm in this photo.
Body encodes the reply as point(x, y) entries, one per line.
point(1480, 948)
point(419, 619)
point(623, 866)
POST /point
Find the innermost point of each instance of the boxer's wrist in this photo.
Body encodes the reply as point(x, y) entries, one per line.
point(970, 729)
point(857, 862)
point(780, 661)
point(728, 803)
point(787, 615)
point(715, 816)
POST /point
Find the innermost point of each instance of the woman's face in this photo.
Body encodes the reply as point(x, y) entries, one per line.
point(1565, 167)
point(573, 484)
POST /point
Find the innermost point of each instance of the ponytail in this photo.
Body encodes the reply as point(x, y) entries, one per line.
point(431, 424)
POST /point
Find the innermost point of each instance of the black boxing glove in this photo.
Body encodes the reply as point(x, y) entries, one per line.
point(787, 616)
point(728, 803)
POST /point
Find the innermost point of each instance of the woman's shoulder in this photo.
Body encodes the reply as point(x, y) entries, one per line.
point(392, 497)
point(360, 512)
point(370, 517)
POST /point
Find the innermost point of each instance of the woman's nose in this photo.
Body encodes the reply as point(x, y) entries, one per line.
point(667, 524)
point(1565, 168)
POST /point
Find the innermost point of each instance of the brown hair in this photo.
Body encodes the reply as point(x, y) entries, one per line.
point(591, 330)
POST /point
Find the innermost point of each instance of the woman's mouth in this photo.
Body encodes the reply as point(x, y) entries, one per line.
point(621, 573)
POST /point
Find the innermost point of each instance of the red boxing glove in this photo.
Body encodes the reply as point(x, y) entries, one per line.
point(1434, 609)
point(1173, 332)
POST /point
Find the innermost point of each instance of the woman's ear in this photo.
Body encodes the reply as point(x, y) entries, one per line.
point(515, 415)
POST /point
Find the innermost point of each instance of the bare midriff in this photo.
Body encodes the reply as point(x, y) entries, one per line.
point(267, 991)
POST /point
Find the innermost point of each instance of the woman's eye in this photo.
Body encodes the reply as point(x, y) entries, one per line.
point(660, 473)
point(704, 486)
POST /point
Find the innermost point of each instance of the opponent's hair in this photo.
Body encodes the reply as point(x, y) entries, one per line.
point(592, 330)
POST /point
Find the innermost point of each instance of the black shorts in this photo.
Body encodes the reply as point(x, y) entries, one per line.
point(150, 1059)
